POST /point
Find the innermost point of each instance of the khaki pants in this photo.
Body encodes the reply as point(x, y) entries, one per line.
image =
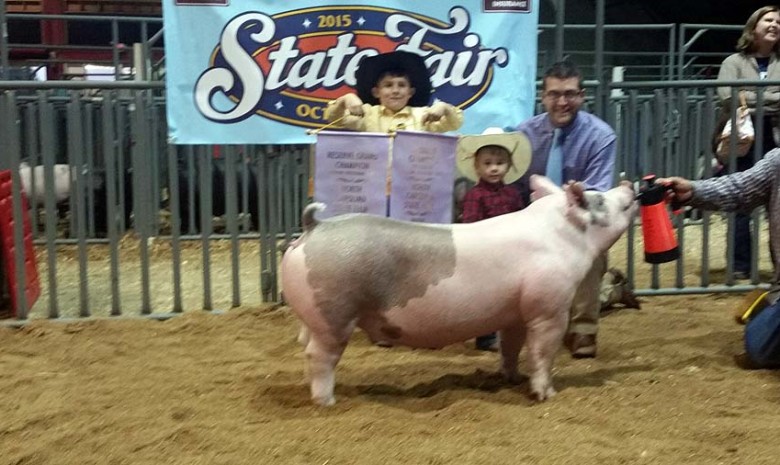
point(586, 306)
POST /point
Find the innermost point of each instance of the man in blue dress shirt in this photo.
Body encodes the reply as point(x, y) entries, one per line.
point(572, 145)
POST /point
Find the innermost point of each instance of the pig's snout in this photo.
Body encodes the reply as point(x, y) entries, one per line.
point(630, 196)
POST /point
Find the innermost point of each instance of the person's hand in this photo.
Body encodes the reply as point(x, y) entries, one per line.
point(681, 188)
point(432, 116)
point(435, 113)
point(353, 104)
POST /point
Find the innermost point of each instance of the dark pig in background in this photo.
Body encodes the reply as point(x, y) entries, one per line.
point(428, 286)
point(189, 208)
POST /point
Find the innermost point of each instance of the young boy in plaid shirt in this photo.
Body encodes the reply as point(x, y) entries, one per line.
point(493, 159)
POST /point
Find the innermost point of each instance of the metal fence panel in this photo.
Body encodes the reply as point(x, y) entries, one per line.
point(157, 215)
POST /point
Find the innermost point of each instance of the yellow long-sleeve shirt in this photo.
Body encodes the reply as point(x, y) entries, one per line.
point(377, 118)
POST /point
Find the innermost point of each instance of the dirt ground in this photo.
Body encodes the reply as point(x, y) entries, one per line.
point(227, 388)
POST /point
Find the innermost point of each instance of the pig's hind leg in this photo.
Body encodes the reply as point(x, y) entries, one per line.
point(512, 340)
point(323, 352)
point(544, 338)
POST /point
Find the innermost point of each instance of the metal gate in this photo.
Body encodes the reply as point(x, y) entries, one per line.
point(153, 228)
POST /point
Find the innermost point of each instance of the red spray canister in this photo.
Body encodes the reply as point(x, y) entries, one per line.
point(660, 241)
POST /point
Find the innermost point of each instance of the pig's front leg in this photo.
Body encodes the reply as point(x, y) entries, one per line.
point(544, 338)
point(512, 340)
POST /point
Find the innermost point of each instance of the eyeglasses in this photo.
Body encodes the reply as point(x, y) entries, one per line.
point(568, 95)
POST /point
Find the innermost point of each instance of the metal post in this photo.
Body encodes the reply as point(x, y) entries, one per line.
point(8, 109)
point(672, 42)
point(75, 153)
point(3, 42)
point(599, 59)
point(145, 51)
point(560, 13)
point(139, 61)
point(115, 48)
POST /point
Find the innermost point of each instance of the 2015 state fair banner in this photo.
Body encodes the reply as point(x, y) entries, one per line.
point(262, 71)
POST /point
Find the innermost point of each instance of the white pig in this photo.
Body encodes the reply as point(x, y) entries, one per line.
point(432, 285)
point(63, 174)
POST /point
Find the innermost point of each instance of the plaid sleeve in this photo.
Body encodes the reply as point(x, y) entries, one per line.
point(517, 200)
point(472, 209)
point(743, 190)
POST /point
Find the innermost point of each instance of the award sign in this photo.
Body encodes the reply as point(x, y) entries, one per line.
point(350, 172)
point(423, 171)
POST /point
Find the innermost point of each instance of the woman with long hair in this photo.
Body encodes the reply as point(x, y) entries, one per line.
point(757, 57)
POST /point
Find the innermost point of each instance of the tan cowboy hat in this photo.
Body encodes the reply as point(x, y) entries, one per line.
point(516, 143)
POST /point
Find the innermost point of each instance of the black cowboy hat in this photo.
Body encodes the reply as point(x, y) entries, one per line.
point(410, 64)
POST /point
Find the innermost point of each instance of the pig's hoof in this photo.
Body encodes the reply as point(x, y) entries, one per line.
point(324, 401)
point(544, 394)
point(303, 335)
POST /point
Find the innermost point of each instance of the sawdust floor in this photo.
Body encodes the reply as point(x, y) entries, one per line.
point(227, 389)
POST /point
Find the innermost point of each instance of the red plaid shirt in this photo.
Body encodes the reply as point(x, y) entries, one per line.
point(487, 200)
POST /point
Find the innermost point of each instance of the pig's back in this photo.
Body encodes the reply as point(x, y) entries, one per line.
point(388, 262)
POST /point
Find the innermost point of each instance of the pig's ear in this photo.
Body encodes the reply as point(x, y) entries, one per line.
point(542, 186)
point(576, 204)
point(575, 194)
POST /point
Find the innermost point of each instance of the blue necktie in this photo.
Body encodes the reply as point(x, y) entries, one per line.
point(555, 159)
